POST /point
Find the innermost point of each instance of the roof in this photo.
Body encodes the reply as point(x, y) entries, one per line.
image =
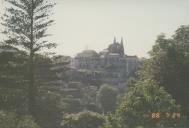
point(88, 53)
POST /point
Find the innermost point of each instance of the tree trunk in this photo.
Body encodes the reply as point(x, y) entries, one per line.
point(32, 90)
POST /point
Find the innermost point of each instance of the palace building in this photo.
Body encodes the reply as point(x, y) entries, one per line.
point(112, 63)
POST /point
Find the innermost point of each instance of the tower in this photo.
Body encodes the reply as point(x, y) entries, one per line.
point(116, 47)
point(122, 47)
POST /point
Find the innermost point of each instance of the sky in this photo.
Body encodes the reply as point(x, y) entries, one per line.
point(92, 24)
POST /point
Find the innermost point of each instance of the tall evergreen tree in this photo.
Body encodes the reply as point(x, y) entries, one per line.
point(25, 23)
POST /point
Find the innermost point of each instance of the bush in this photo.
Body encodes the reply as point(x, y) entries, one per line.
point(11, 120)
point(85, 119)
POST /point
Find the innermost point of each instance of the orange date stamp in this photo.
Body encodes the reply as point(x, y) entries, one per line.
point(173, 115)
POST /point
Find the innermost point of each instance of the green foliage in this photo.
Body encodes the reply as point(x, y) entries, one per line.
point(13, 86)
point(71, 99)
point(49, 75)
point(71, 105)
point(89, 94)
point(49, 109)
point(112, 121)
point(25, 24)
point(84, 119)
point(7, 120)
point(27, 122)
point(130, 82)
point(13, 79)
point(107, 98)
point(89, 98)
point(11, 120)
point(169, 65)
point(144, 99)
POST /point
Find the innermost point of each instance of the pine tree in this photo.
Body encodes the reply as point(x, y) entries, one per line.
point(25, 23)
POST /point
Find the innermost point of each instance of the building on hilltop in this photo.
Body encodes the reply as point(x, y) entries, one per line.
point(113, 64)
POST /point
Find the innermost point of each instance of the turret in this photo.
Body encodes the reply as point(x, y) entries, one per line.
point(122, 47)
point(116, 47)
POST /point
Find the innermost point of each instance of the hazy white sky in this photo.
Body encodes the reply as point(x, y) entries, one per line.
point(94, 23)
